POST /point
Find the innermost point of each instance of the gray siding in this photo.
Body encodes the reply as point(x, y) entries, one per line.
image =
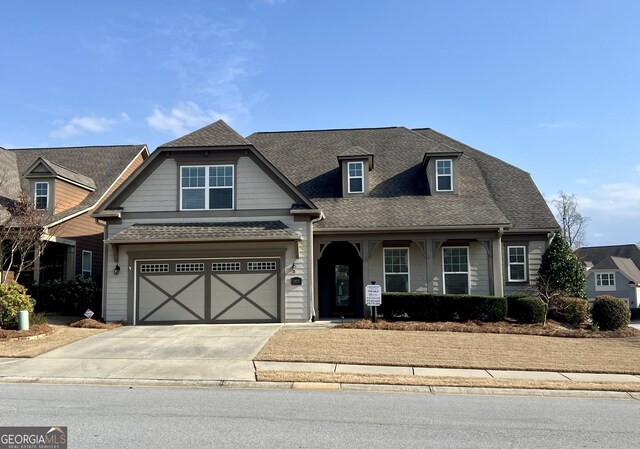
point(479, 282)
point(256, 190)
point(159, 192)
point(535, 250)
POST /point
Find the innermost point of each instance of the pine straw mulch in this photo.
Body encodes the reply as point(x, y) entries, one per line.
point(89, 323)
point(34, 331)
point(551, 329)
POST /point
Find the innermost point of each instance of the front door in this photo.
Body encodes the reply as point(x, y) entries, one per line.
point(342, 301)
point(340, 281)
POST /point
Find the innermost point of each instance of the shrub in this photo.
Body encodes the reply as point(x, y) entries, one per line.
point(526, 309)
point(13, 298)
point(435, 307)
point(610, 313)
point(560, 271)
point(73, 297)
point(565, 309)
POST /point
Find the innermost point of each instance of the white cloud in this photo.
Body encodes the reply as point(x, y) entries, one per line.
point(83, 125)
point(614, 200)
point(183, 118)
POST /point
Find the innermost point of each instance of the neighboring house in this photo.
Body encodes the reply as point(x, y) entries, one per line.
point(289, 226)
point(68, 184)
point(612, 270)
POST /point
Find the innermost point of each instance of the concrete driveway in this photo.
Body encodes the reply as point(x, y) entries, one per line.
point(179, 352)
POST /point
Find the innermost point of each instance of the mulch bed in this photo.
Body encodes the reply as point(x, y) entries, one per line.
point(89, 323)
point(35, 330)
point(552, 328)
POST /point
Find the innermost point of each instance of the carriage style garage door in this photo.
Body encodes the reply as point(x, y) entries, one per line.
point(208, 291)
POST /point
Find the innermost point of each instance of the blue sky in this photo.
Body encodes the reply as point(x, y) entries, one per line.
point(551, 87)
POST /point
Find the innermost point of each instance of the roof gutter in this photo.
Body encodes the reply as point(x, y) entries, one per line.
point(409, 229)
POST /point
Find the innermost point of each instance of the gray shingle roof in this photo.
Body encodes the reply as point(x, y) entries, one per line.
point(103, 164)
point(69, 174)
point(399, 195)
point(229, 231)
point(218, 134)
point(596, 254)
point(9, 181)
point(625, 265)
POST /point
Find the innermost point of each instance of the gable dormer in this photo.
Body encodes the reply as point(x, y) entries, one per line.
point(442, 170)
point(355, 165)
point(55, 188)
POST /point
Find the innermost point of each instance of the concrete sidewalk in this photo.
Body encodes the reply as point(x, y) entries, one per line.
point(444, 372)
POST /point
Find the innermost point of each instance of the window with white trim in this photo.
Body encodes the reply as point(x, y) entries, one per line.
point(355, 177)
point(87, 260)
point(396, 269)
point(444, 175)
point(516, 256)
point(455, 269)
point(606, 281)
point(206, 187)
point(41, 195)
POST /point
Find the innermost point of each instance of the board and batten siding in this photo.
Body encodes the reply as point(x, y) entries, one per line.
point(67, 195)
point(296, 298)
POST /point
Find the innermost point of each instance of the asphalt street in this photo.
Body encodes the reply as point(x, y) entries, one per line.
point(144, 417)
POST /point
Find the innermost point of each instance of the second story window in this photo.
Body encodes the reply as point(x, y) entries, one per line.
point(605, 281)
point(356, 177)
point(206, 188)
point(41, 198)
point(444, 175)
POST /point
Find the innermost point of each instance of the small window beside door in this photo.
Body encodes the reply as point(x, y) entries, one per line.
point(87, 260)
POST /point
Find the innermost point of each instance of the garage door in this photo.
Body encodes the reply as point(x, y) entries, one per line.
point(208, 291)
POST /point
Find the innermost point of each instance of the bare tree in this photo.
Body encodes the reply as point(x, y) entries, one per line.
point(23, 235)
point(574, 224)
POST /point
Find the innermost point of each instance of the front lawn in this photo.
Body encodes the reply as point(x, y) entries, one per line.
point(455, 350)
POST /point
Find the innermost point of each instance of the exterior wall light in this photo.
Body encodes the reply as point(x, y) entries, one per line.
point(116, 270)
point(293, 267)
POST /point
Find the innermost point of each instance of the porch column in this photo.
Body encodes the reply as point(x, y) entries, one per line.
point(498, 280)
point(70, 263)
point(428, 248)
point(36, 265)
point(366, 278)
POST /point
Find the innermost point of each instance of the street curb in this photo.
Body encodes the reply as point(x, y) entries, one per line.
point(322, 386)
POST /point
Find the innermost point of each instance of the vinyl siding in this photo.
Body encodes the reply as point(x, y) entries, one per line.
point(67, 195)
point(417, 268)
point(256, 190)
point(158, 192)
point(535, 250)
point(621, 290)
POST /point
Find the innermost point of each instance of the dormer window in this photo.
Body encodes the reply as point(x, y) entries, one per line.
point(355, 165)
point(41, 197)
point(356, 177)
point(444, 175)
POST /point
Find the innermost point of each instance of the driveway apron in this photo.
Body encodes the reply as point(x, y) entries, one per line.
point(178, 352)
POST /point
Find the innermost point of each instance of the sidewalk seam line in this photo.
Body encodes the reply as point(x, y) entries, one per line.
point(565, 376)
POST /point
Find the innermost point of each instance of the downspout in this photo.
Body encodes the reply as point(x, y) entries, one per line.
point(312, 286)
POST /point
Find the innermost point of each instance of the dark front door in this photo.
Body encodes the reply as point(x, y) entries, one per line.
point(340, 281)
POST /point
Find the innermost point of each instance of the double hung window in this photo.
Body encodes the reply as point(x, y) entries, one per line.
point(206, 187)
point(455, 261)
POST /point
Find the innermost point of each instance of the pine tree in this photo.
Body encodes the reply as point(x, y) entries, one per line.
point(560, 271)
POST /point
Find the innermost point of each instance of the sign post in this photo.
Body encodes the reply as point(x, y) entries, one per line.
point(373, 298)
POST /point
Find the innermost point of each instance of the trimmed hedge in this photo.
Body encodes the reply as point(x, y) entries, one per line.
point(73, 297)
point(525, 309)
point(569, 310)
point(435, 307)
point(610, 313)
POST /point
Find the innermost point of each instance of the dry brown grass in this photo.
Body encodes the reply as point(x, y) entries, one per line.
point(455, 350)
point(298, 376)
point(551, 329)
point(60, 336)
point(89, 323)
